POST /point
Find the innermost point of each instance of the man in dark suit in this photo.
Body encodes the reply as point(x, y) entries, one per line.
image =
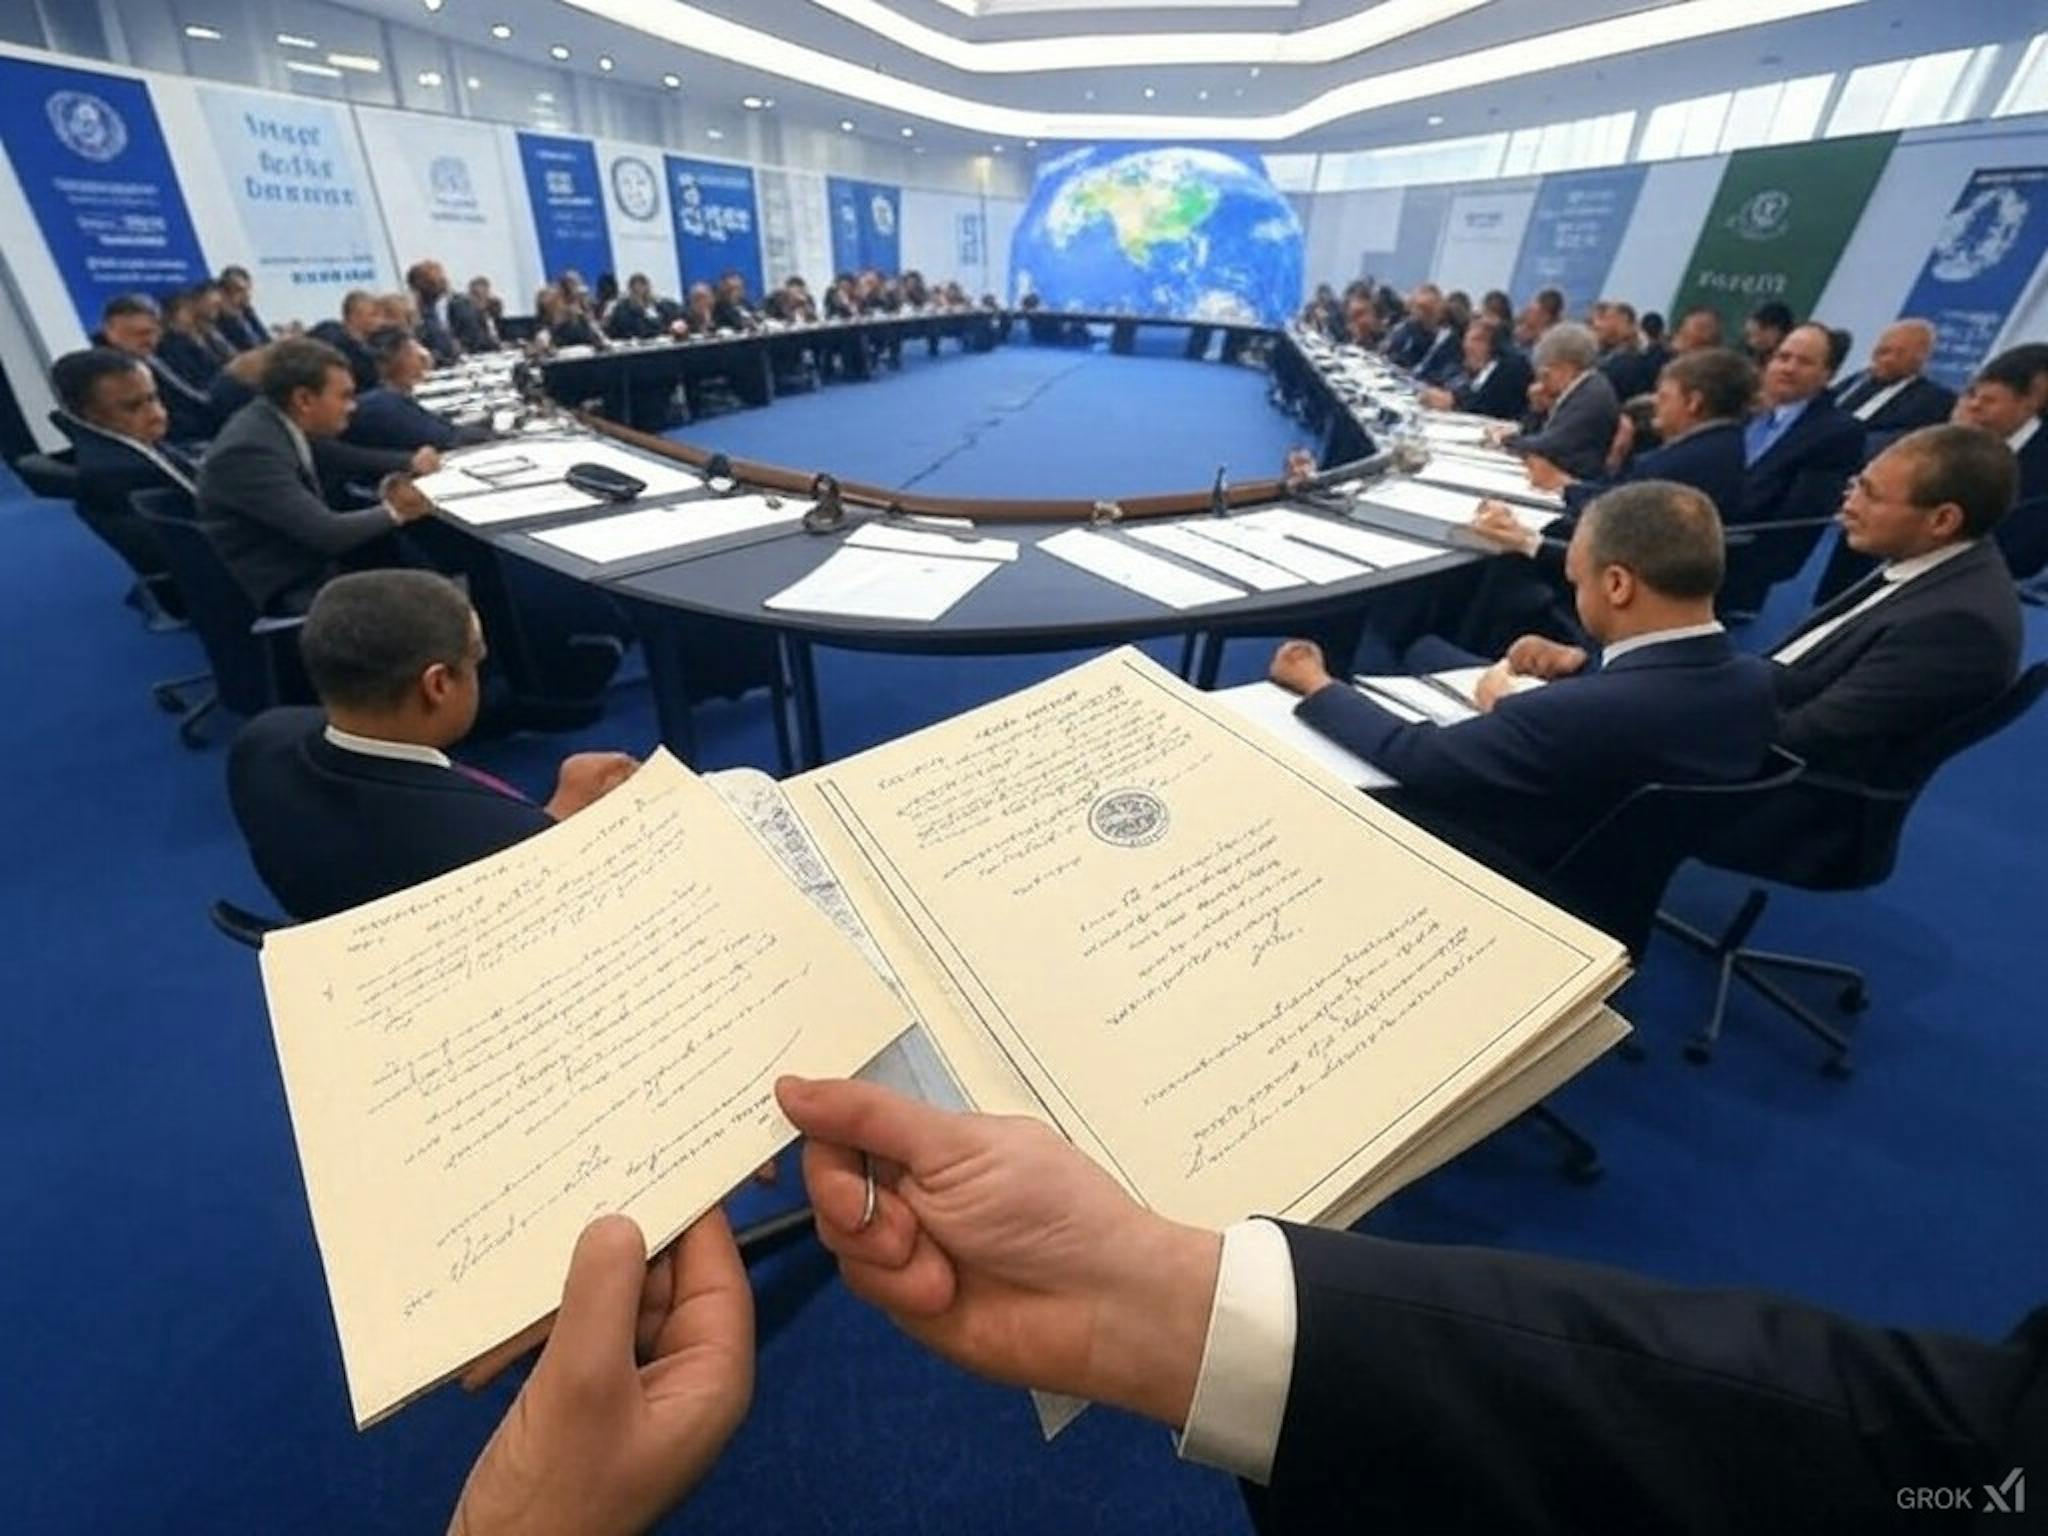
point(1421, 343)
point(357, 799)
point(1496, 376)
point(1578, 429)
point(1800, 451)
point(733, 311)
point(1629, 366)
point(116, 421)
point(362, 315)
point(389, 417)
point(1764, 329)
point(639, 315)
point(190, 346)
point(239, 322)
point(473, 317)
point(131, 323)
point(1672, 699)
point(2009, 396)
point(260, 492)
point(428, 281)
point(1893, 394)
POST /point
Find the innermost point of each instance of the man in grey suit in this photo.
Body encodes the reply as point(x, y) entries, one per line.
point(260, 492)
point(1584, 411)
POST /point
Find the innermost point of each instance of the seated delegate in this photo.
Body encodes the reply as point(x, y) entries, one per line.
point(1578, 424)
point(118, 424)
point(1671, 701)
point(345, 803)
point(388, 416)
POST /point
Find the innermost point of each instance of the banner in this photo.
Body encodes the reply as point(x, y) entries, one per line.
point(1986, 252)
point(866, 220)
point(90, 157)
point(1480, 237)
point(1777, 225)
point(1574, 231)
point(636, 208)
point(796, 232)
point(717, 221)
point(294, 174)
point(568, 205)
point(446, 194)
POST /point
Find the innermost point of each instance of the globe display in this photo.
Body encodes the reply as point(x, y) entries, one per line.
point(1169, 230)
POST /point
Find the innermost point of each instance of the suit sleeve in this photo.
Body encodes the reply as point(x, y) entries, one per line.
point(264, 488)
point(1463, 1389)
point(1494, 752)
point(1908, 681)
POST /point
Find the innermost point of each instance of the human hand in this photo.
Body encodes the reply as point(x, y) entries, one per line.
point(1544, 475)
point(999, 1246)
point(408, 503)
point(1499, 433)
point(1494, 684)
point(1298, 667)
point(426, 461)
point(1538, 656)
point(597, 1443)
point(587, 777)
point(1496, 525)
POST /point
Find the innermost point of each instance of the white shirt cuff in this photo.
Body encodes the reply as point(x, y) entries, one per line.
point(1248, 1359)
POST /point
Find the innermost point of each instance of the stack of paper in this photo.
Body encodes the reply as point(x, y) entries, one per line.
point(1200, 545)
point(1147, 575)
point(628, 535)
point(881, 580)
point(1270, 709)
point(1487, 480)
point(1380, 551)
point(520, 502)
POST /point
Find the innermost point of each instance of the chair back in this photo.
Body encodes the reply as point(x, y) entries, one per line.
point(1615, 874)
point(47, 475)
point(2022, 536)
point(243, 926)
point(220, 612)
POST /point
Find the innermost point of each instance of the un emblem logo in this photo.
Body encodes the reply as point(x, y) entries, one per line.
point(448, 175)
point(1128, 818)
point(635, 188)
point(1978, 235)
point(883, 212)
point(1765, 216)
point(86, 125)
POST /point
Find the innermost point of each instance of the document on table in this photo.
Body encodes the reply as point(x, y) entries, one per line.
point(1381, 551)
point(1438, 503)
point(1418, 698)
point(520, 502)
point(627, 535)
point(1487, 480)
point(447, 484)
point(1192, 544)
point(1147, 575)
point(540, 461)
point(1270, 708)
point(910, 541)
point(1246, 533)
point(862, 583)
point(592, 1020)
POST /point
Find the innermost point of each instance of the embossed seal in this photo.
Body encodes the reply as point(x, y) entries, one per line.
point(1129, 818)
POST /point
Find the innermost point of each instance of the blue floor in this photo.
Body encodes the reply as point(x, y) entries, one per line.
point(170, 1363)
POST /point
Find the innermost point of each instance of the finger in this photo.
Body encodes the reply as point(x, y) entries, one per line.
point(871, 1118)
point(837, 1185)
point(714, 1305)
point(592, 1341)
point(887, 1241)
point(925, 1287)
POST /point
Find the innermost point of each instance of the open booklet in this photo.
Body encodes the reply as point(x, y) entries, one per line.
point(1106, 902)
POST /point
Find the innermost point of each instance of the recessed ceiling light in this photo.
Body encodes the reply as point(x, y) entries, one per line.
point(1201, 95)
point(714, 133)
point(545, 98)
point(301, 67)
point(500, 31)
point(1150, 93)
point(1255, 71)
point(673, 82)
point(755, 103)
point(917, 149)
point(1435, 120)
point(846, 125)
point(558, 52)
point(604, 62)
point(361, 63)
point(430, 77)
point(203, 34)
point(1087, 95)
point(910, 133)
point(473, 83)
point(431, 5)
point(995, 149)
point(1031, 143)
point(293, 40)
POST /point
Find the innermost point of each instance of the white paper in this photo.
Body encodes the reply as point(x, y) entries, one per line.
point(1418, 698)
point(1271, 708)
point(629, 534)
point(909, 541)
point(549, 459)
point(1466, 681)
point(446, 484)
point(1381, 551)
point(1310, 564)
point(1438, 503)
point(884, 584)
point(1234, 562)
point(521, 501)
point(1147, 575)
point(1486, 480)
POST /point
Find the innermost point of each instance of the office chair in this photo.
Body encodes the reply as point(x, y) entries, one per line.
point(1825, 833)
point(1760, 556)
point(57, 476)
point(2022, 536)
point(251, 656)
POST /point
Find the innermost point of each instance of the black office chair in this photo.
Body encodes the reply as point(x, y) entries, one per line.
point(1760, 556)
point(2022, 536)
point(254, 659)
point(1826, 833)
point(243, 926)
point(56, 476)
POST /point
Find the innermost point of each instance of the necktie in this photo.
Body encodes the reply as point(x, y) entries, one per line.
point(489, 781)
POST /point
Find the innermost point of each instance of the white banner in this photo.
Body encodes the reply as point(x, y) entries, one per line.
point(796, 228)
point(1481, 235)
point(636, 207)
point(452, 191)
point(959, 237)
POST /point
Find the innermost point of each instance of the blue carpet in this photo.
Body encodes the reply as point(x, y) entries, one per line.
point(171, 1364)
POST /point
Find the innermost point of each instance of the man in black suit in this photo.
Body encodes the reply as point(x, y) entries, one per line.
point(116, 421)
point(239, 322)
point(1893, 394)
point(357, 799)
point(473, 317)
point(362, 315)
point(428, 281)
point(1579, 427)
point(1672, 700)
point(1764, 329)
point(2009, 396)
point(260, 492)
point(639, 315)
point(733, 311)
point(1628, 364)
point(191, 347)
point(131, 323)
point(1421, 343)
point(1496, 376)
point(1800, 451)
point(389, 417)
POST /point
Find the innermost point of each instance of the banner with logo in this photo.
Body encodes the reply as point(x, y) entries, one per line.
point(1481, 234)
point(90, 157)
point(718, 220)
point(867, 217)
point(448, 194)
point(796, 231)
point(1778, 224)
point(636, 208)
point(1573, 232)
point(294, 173)
point(1984, 256)
point(568, 205)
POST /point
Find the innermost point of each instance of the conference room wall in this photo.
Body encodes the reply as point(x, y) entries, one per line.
point(1650, 259)
point(1481, 234)
point(932, 240)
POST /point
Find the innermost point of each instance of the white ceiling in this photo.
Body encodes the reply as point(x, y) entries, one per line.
point(973, 95)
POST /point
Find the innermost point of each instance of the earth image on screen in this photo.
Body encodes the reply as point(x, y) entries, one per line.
point(1166, 230)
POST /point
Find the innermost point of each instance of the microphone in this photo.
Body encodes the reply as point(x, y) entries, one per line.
point(1219, 503)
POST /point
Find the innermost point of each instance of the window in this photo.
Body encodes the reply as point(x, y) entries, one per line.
point(1292, 173)
point(1406, 165)
point(2028, 89)
point(1912, 93)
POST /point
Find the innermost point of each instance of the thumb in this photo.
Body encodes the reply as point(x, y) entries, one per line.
point(592, 1342)
point(870, 1118)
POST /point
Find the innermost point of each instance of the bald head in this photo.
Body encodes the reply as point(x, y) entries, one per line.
point(1902, 351)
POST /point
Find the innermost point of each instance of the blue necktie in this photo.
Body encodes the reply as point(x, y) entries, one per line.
point(1758, 436)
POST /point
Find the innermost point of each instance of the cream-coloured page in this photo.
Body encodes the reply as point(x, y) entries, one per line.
point(590, 1021)
point(1236, 983)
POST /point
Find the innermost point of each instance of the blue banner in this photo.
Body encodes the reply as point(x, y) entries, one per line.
point(568, 205)
point(718, 221)
point(1574, 231)
point(1983, 258)
point(91, 160)
point(867, 218)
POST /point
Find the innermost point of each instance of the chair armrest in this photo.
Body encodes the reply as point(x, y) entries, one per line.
point(1746, 533)
point(264, 629)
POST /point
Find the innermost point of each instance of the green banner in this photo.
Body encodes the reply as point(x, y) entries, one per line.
point(1778, 225)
